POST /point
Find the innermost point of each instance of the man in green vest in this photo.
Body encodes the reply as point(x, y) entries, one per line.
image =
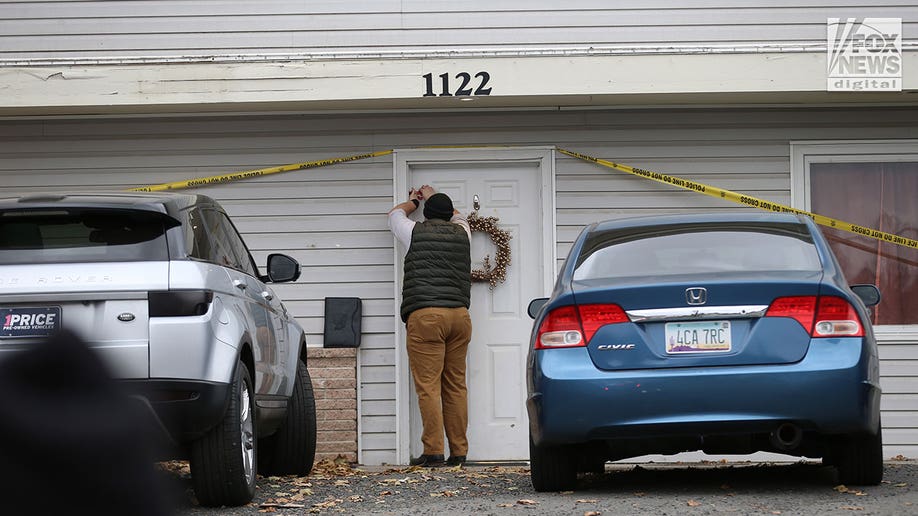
point(435, 300)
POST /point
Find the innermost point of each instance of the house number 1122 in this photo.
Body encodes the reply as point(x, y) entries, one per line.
point(465, 83)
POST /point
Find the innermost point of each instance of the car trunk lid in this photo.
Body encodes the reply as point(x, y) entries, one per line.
point(693, 320)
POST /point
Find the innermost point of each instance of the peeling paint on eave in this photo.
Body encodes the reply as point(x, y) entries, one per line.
point(613, 50)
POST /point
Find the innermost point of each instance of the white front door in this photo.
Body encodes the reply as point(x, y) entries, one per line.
point(496, 376)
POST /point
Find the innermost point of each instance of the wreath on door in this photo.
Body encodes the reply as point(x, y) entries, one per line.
point(501, 240)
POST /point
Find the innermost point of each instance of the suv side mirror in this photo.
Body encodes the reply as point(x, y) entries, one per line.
point(869, 294)
point(536, 305)
point(282, 268)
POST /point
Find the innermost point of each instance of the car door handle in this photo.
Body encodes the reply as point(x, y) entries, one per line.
point(241, 285)
point(267, 296)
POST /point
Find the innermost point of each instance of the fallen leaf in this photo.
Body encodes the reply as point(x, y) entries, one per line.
point(592, 513)
point(385, 493)
point(847, 490)
point(355, 498)
point(693, 503)
point(527, 502)
point(776, 512)
point(587, 500)
point(337, 467)
point(282, 506)
point(901, 484)
point(327, 504)
point(851, 508)
point(565, 492)
point(505, 505)
point(640, 493)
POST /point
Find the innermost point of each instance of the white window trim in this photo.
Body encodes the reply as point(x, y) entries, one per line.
point(804, 153)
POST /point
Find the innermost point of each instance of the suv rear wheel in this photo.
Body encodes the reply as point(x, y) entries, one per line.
point(292, 450)
point(223, 461)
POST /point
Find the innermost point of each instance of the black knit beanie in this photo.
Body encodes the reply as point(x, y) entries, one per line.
point(438, 206)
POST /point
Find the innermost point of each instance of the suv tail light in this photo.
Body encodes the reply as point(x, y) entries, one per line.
point(177, 303)
point(820, 316)
point(574, 326)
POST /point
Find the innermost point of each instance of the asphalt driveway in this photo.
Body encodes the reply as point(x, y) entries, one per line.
point(659, 489)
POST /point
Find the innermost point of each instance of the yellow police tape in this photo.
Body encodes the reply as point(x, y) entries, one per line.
point(712, 191)
point(249, 174)
point(748, 200)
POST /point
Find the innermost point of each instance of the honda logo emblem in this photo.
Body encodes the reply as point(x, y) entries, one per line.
point(696, 295)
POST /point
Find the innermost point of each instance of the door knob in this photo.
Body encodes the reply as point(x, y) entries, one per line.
point(475, 203)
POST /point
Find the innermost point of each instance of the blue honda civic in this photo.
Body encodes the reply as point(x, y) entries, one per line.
point(726, 333)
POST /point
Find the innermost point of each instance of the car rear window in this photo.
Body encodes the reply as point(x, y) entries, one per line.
point(81, 235)
point(688, 249)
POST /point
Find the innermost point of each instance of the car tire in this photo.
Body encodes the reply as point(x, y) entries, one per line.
point(859, 459)
point(552, 468)
point(223, 460)
point(292, 449)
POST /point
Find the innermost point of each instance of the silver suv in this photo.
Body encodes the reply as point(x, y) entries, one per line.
point(164, 289)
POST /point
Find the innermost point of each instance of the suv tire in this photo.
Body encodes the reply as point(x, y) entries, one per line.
point(859, 459)
point(223, 460)
point(552, 468)
point(292, 450)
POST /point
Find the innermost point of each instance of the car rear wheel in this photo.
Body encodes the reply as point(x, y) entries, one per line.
point(223, 461)
point(859, 459)
point(292, 450)
point(552, 468)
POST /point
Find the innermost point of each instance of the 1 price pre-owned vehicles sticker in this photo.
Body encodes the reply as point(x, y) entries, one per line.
point(37, 321)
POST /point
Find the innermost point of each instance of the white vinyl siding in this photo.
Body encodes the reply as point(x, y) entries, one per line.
point(899, 380)
point(149, 28)
point(333, 219)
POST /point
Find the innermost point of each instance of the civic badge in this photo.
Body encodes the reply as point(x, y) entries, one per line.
point(696, 295)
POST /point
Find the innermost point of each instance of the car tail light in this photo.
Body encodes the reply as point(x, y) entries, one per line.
point(560, 329)
point(570, 326)
point(175, 303)
point(822, 316)
point(835, 317)
point(594, 317)
point(801, 308)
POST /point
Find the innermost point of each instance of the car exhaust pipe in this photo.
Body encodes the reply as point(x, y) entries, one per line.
point(786, 437)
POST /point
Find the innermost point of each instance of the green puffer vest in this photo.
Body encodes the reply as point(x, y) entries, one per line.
point(438, 267)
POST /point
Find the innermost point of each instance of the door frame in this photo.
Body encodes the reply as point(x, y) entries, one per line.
point(403, 160)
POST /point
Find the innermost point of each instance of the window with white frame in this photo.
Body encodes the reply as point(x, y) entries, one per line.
point(871, 184)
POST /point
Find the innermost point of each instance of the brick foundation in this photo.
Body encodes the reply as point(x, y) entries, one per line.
point(334, 380)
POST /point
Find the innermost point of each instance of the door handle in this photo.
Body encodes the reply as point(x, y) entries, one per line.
point(475, 203)
point(241, 285)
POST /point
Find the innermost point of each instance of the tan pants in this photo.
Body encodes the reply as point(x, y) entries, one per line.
point(438, 340)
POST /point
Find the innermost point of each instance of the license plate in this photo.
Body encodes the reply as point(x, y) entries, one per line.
point(698, 337)
point(39, 321)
